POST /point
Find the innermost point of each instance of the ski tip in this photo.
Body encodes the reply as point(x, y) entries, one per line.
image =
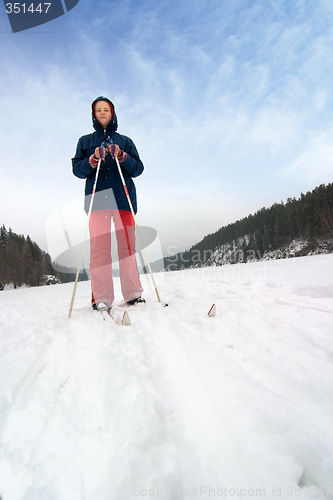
point(212, 311)
point(126, 319)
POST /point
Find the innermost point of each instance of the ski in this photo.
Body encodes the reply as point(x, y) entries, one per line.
point(120, 317)
point(212, 311)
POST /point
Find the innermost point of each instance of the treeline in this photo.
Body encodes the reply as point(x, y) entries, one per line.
point(310, 218)
point(68, 274)
point(22, 261)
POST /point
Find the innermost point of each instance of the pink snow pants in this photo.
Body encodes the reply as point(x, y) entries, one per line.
point(100, 255)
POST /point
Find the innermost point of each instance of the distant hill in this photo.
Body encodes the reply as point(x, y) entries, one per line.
point(291, 229)
point(295, 228)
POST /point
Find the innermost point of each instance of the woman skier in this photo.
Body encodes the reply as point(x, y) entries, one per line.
point(110, 202)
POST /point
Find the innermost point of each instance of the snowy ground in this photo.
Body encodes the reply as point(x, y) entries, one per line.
point(178, 405)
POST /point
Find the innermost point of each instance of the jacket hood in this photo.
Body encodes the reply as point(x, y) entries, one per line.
point(113, 125)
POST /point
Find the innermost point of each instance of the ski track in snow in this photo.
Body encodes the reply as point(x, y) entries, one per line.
point(178, 405)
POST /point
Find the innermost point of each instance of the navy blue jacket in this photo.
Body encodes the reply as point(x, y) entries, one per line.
point(110, 193)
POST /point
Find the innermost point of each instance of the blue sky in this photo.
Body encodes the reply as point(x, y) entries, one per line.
point(228, 102)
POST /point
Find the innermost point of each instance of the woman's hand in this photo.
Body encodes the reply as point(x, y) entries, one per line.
point(115, 151)
point(100, 154)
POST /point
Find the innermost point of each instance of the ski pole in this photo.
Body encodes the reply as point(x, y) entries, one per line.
point(137, 228)
point(85, 232)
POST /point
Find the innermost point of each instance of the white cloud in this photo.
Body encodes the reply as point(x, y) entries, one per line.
point(221, 103)
point(315, 162)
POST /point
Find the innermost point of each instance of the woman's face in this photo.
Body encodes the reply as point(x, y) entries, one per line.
point(103, 113)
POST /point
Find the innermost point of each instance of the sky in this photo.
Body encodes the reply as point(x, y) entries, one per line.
point(229, 103)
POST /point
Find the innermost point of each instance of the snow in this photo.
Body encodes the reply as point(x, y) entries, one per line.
point(178, 405)
point(235, 251)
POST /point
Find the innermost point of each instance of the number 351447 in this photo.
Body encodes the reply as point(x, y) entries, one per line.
point(16, 8)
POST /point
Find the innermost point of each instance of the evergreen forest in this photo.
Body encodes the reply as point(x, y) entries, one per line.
point(308, 219)
point(22, 261)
